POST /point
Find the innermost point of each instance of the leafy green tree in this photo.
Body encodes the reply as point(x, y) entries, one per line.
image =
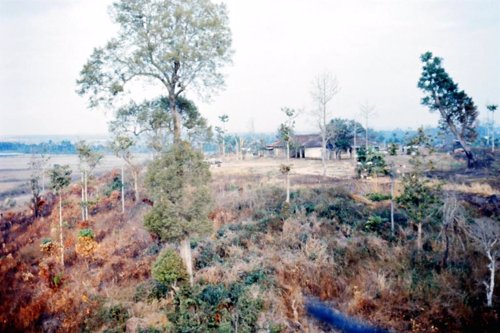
point(60, 178)
point(174, 43)
point(153, 119)
point(419, 201)
point(341, 133)
point(178, 183)
point(457, 110)
point(371, 162)
point(89, 159)
point(169, 268)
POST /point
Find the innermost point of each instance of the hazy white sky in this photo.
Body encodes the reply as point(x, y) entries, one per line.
point(373, 48)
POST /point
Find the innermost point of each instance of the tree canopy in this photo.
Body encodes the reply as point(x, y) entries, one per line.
point(457, 110)
point(175, 43)
point(178, 183)
point(153, 118)
point(340, 133)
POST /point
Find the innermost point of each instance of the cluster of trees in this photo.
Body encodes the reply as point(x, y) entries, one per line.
point(50, 147)
point(174, 45)
point(180, 45)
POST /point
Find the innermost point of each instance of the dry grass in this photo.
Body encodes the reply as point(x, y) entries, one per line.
point(473, 188)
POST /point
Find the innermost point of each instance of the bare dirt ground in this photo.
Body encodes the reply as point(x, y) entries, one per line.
point(15, 173)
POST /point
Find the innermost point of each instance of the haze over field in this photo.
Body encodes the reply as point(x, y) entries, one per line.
point(372, 46)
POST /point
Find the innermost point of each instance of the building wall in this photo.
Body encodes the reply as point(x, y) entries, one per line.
point(314, 153)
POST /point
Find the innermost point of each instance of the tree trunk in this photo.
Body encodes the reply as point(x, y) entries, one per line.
point(490, 288)
point(83, 200)
point(135, 174)
point(123, 191)
point(287, 187)
point(61, 230)
point(467, 150)
point(392, 203)
point(175, 116)
point(86, 206)
point(419, 236)
point(186, 256)
point(323, 153)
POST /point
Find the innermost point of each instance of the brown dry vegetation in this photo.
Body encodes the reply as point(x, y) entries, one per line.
point(284, 256)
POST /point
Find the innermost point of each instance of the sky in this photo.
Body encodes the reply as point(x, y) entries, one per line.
point(372, 47)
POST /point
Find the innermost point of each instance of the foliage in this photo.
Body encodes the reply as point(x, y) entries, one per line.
point(115, 185)
point(88, 158)
point(60, 177)
point(154, 119)
point(169, 268)
point(457, 110)
point(86, 233)
point(152, 45)
point(285, 130)
point(374, 223)
point(393, 149)
point(341, 133)
point(371, 162)
point(178, 182)
point(329, 203)
point(150, 290)
point(418, 199)
point(114, 317)
point(215, 308)
point(378, 196)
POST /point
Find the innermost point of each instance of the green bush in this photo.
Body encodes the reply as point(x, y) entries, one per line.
point(215, 308)
point(150, 290)
point(114, 317)
point(206, 256)
point(373, 223)
point(86, 233)
point(371, 162)
point(378, 196)
point(115, 185)
point(169, 268)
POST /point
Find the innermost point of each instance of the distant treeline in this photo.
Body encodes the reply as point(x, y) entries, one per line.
point(50, 147)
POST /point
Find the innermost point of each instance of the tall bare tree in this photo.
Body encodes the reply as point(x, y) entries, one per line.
point(492, 108)
point(324, 87)
point(367, 111)
point(486, 233)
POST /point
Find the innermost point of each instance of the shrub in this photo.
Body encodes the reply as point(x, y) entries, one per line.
point(169, 268)
point(215, 308)
point(373, 223)
point(115, 317)
point(378, 196)
point(114, 185)
point(86, 233)
point(206, 256)
point(150, 290)
point(393, 149)
point(371, 162)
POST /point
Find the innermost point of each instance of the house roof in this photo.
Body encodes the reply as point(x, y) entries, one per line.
point(301, 140)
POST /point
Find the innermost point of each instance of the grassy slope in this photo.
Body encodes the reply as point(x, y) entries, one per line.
point(320, 250)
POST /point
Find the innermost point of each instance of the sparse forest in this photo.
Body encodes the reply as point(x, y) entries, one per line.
point(347, 229)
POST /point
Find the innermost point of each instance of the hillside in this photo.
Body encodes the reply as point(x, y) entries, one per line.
point(263, 262)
